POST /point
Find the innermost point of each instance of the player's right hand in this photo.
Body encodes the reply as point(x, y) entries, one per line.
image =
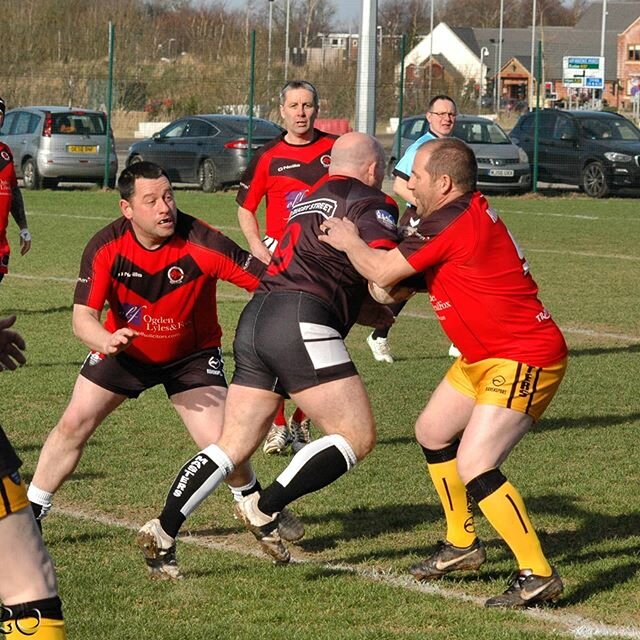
point(120, 340)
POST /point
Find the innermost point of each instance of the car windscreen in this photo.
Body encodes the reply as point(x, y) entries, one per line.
point(609, 129)
point(480, 133)
point(79, 123)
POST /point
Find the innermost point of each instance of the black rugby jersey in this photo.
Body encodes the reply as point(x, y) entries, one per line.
point(302, 263)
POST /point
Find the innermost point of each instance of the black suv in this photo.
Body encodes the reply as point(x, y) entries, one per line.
point(596, 150)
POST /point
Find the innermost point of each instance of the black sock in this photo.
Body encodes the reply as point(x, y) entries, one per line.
point(315, 466)
point(199, 477)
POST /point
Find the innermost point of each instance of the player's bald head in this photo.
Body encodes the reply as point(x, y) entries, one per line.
point(353, 153)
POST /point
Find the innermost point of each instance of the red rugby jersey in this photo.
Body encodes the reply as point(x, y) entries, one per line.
point(8, 182)
point(480, 286)
point(168, 294)
point(284, 173)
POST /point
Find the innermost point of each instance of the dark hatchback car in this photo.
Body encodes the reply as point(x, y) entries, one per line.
point(209, 150)
point(502, 166)
point(598, 151)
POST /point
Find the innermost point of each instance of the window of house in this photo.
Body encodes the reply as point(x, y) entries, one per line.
point(634, 52)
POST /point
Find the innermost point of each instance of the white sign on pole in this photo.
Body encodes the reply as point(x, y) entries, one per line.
point(583, 72)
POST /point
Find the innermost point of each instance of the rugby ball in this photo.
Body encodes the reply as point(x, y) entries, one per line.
point(390, 295)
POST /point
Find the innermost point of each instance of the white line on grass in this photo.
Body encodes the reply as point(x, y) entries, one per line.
point(553, 215)
point(408, 314)
point(576, 626)
point(586, 254)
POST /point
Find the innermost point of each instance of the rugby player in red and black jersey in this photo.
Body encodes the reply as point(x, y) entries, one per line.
point(10, 202)
point(158, 269)
point(290, 342)
point(29, 601)
point(284, 171)
point(513, 360)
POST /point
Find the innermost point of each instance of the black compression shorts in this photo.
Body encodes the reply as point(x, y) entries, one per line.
point(286, 342)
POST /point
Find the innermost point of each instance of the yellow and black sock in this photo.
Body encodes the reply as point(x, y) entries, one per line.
point(504, 508)
point(442, 467)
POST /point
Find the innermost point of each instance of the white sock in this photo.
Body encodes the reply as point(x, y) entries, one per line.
point(240, 492)
point(40, 497)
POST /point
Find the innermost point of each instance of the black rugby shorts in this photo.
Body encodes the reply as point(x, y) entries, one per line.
point(128, 377)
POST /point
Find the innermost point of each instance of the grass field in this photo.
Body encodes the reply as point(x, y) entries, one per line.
point(577, 470)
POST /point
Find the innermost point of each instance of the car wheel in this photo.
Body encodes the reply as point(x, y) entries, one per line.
point(133, 160)
point(207, 176)
point(594, 180)
point(31, 176)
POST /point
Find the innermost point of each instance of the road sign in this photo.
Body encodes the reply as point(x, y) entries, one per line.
point(583, 72)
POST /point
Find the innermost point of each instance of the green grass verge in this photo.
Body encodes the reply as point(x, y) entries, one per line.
point(577, 470)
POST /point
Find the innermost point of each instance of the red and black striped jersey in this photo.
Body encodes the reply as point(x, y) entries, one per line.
point(167, 295)
point(302, 263)
point(284, 173)
point(479, 284)
point(8, 182)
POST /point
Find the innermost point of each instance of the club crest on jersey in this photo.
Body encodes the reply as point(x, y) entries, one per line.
point(175, 275)
point(325, 160)
point(385, 219)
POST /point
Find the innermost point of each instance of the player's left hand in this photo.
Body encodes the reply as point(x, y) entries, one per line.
point(25, 241)
point(11, 346)
point(338, 232)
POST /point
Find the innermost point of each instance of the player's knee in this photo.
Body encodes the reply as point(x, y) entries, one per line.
point(74, 428)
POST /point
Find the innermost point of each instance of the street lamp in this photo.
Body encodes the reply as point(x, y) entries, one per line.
point(286, 46)
point(431, 48)
point(483, 52)
point(495, 69)
point(269, 45)
point(500, 40)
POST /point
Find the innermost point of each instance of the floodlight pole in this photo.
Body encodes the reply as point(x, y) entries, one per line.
point(366, 82)
point(107, 163)
point(533, 45)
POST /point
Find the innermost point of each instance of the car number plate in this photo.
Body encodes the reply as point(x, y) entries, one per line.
point(82, 148)
point(501, 173)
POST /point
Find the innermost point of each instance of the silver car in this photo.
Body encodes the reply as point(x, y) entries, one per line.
point(502, 166)
point(59, 144)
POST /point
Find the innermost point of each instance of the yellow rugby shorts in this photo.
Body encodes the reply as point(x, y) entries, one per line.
point(13, 494)
point(507, 383)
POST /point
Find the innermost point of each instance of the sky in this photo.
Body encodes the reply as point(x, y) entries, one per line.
point(347, 11)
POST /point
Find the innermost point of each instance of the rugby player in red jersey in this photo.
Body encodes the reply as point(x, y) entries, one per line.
point(284, 171)
point(290, 342)
point(158, 269)
point(10, 202)
point(513, 360)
